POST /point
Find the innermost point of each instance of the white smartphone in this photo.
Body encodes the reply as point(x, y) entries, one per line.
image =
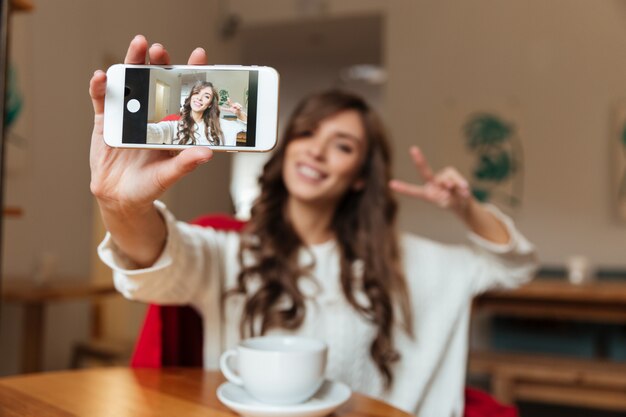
point(224, 107)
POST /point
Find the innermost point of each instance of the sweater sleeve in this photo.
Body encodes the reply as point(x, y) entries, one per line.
point(190, 266)
point(502, 265)
point(161, 132)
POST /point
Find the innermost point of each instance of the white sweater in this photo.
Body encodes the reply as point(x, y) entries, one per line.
point(165, 132)
point(199, 264)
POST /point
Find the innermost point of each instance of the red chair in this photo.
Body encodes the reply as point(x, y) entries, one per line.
point(172, 336)
point(171, 117)
point(481, 404)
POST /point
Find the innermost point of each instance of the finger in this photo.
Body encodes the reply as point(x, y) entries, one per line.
point(408, 189)
point(456, 182)
point(422, 165)
point(182, 164)
point(441, 196)
point(445, 201)
point(158, 55)
point(443, 182)
point(136, 53)
point(97, 90)
point(455, 176)
point(198, 57)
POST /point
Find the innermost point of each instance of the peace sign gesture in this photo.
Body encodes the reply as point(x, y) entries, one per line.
point(235, 108)
point(446, 188)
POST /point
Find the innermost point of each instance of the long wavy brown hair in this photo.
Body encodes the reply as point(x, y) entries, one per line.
point(363, 225)
point(210, 116)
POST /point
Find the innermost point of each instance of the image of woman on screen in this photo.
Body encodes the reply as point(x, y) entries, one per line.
point(199, 121)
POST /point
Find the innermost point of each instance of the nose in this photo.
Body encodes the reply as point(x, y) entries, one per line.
point(317, 147)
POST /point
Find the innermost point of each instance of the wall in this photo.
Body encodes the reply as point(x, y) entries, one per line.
point(556, 66)
point(173, 104)
point(236, 83)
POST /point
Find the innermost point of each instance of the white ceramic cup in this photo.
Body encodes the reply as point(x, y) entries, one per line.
point(579, 270)
point(277, 369)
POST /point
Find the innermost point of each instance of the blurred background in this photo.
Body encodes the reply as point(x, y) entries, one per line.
point(526, 98)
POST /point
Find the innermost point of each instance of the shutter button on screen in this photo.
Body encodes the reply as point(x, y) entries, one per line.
point(133, 105)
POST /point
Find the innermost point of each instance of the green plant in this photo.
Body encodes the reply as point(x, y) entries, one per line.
point(486, 130)
point(224, 96)
point(494, 141)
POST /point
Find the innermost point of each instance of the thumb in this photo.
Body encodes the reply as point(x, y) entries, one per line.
point(97, 90)
point(182, 164)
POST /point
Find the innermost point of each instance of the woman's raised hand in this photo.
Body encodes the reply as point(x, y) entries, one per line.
point(126, 180)
point(235, 108)
point(446, 188)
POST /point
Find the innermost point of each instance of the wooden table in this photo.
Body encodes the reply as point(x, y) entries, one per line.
point(124, 392)
point(33, 298)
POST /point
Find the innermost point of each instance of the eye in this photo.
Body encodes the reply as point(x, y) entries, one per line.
point(345, 147)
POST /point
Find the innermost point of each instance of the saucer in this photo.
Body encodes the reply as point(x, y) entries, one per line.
point(331, 395)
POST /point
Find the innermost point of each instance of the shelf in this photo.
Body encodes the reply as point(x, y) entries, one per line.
point(12, 212)
point(22, 5)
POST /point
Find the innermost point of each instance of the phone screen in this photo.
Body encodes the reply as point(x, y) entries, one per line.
point(181, 106)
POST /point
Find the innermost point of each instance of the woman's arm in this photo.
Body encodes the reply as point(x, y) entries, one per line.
point(162, 132)
point(126, 182)
point(190, 266)
point(483, 223)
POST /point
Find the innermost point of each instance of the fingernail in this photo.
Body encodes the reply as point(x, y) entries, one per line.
point(139, 36)
point(199, 49)
point(203, 161)
point(157, 44)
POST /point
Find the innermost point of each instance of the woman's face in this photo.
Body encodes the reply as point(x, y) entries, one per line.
point(201, 100)
point(322, 166)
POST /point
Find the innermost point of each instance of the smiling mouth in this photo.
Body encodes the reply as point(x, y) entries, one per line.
point(310, 172)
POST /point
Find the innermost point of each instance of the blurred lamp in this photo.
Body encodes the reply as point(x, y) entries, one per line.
point(366, 73)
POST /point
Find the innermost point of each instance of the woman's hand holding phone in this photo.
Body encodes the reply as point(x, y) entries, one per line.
point(127, 181)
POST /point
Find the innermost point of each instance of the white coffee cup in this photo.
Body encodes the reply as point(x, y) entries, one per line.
point(277, 369)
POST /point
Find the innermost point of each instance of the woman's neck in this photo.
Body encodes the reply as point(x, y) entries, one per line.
point(197, 117)
point(311, 222)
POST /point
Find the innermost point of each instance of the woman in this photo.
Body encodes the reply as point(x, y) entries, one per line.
point(200, 122)
point(320, 256)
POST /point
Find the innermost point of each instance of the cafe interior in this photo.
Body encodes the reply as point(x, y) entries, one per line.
point(526, 98)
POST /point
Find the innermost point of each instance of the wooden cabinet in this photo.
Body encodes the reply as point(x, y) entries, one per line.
point(586, 382)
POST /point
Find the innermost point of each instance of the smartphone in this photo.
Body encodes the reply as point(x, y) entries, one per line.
point(224, 107)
